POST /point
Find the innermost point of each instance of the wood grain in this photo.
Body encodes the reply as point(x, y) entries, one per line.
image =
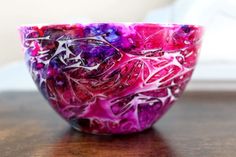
point(200, 124)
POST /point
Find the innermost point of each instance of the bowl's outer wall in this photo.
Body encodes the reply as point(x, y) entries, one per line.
point(111, 78)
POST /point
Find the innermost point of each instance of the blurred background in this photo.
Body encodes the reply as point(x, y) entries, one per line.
point(217, 64)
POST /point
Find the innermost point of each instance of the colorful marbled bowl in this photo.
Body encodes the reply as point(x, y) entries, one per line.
point(111, 78)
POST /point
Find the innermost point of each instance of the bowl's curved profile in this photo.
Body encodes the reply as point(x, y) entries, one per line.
point(111, 78)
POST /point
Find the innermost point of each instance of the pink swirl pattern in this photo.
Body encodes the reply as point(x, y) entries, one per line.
point(111, 78)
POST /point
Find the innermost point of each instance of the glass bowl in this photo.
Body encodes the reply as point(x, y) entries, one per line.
point(111, 78)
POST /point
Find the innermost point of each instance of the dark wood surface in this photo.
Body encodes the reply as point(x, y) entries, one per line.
point(199, 125)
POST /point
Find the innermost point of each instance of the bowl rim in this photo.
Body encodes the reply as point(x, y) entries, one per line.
point(165, 25)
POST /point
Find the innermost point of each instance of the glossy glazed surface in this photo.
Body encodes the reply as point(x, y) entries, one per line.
point(110, 78)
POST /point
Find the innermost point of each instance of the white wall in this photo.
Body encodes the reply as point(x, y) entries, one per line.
point(17, 12)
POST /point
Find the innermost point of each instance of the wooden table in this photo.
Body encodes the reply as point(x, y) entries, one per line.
point(199, 125)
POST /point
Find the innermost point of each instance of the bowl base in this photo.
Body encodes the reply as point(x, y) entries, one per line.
point(108, 134)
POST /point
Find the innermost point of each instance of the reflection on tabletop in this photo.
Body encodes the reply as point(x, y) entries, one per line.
point(148, 143)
